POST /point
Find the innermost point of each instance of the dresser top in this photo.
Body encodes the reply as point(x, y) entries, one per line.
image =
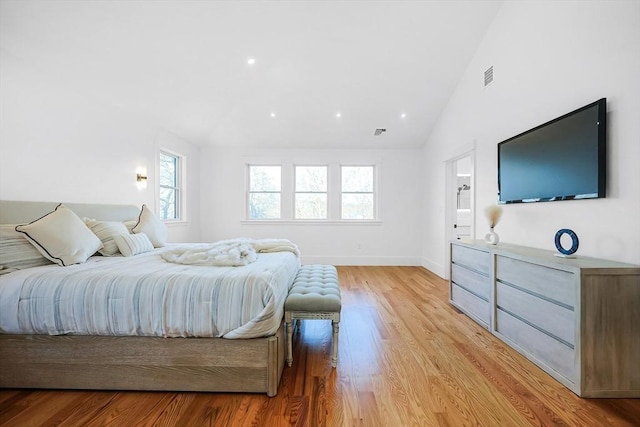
point(548, 257)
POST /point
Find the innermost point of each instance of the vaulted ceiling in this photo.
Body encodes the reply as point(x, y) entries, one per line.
point(185, 65)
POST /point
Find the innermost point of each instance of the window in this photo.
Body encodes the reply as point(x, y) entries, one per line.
point(170, 195)
point(311, 192)
point(264, 192)
point(357, 192)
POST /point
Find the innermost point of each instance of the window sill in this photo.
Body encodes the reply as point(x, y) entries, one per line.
point(309, 222)
point(176, 223)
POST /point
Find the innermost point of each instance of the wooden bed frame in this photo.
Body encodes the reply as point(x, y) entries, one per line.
point(133, 363)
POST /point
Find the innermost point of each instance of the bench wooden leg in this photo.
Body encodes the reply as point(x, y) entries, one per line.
point(289, 324)
point(336, 329)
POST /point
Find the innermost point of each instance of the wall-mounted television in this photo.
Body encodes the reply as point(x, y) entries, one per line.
point(564, 159)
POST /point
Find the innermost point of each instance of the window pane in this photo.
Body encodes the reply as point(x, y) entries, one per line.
point(357, 206)
point(311, 206)
point(311, 179)
point(264, 178)
point(264, 206)
point(168, 170)
point(357, 179)
point(169, 191)
point(168, 205)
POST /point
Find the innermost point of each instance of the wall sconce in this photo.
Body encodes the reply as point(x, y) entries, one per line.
point(141, 178)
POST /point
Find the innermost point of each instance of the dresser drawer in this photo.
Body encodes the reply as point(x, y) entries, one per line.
point(472, 258)
point(551, 318)
point(473, 282)
point(470, 304)
point(541, 346)
point(556, 285)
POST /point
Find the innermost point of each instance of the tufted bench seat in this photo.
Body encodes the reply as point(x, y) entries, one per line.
point(314, 294)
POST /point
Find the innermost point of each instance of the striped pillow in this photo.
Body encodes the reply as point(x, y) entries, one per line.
point(16, 253)
point(106, 230)
point(133, 244)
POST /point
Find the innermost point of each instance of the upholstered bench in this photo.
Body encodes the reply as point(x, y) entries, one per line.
point(314, 294)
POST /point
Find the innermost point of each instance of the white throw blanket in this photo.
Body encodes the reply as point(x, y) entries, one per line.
point(230, 253)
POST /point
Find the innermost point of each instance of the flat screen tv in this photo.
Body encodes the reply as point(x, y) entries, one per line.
point(564, 159)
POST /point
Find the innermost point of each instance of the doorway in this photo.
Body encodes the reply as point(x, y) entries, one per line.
point(460, 201)
point(462, 213)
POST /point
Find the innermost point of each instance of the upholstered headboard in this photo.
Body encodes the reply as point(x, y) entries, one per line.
point(20, 212)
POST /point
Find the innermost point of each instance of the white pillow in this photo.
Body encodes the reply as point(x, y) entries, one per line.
point(105, 231)
point(130, 224)
point(16, 252)
point(133, 244)
point(61, 237)
point(150, 225)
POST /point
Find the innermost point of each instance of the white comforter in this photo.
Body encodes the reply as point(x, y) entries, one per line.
point(145, 295)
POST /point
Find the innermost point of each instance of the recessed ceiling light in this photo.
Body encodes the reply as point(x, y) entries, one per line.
point(403, 115)
point(251, 61)
point(338, 115)
point(273, 114)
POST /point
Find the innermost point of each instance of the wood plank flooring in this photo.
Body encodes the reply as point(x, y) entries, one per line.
point(407, 358)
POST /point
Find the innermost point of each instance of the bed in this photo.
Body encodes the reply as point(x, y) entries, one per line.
point(140, 322)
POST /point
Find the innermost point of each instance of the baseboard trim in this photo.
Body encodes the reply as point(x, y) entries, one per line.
point(363, 260)
point(434, 267)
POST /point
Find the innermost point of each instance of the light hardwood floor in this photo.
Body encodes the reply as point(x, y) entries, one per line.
point(407, 358)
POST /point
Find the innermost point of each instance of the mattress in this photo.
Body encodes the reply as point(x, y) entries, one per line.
point(144, 295)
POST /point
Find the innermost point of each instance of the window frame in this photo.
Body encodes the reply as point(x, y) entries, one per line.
point(179, 188)
point(296, 192)
point(249, 192)
point(373, 192)
point(334, 193)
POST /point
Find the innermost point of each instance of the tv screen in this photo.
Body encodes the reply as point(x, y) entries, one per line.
point(563, 159)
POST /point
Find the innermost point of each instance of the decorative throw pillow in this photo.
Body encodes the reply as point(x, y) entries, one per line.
point(133, 244)
point(16, 253)
point(62, 237)
point(150, 225)
point(105, 231)
point(130, 224)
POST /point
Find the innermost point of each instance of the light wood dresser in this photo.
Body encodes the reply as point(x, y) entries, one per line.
point(576, 318)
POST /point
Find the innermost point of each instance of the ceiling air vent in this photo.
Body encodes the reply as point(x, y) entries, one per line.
point(379, 131)
point(488, 76)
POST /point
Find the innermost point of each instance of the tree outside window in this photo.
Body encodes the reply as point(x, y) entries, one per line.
point(170, 192)
point(357, 192)
point(264, 192)
point(311, 192)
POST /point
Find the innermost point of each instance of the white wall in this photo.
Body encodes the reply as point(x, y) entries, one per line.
point(394, 241)
point(60, 145)
point(549, 58)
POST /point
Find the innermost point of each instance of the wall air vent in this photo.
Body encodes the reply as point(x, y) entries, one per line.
point(379, 132)
point(488, 76)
